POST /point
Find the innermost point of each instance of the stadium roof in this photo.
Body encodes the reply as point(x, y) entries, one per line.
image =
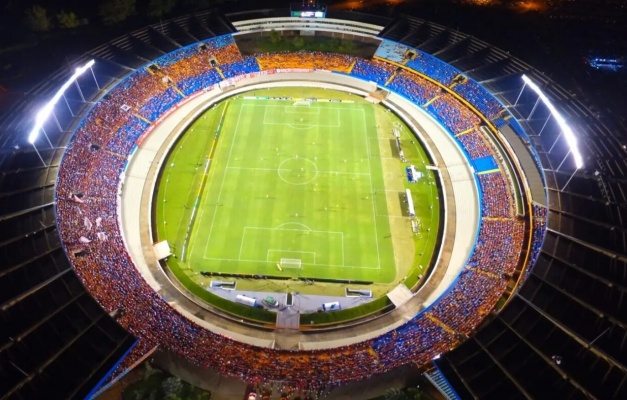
point(56, 339)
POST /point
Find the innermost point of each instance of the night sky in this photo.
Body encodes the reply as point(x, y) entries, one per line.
point(555, 36)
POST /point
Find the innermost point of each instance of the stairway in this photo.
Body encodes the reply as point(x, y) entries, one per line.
point(440, 382)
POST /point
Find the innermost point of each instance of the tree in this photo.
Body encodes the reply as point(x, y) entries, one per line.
point(346, 46)
point(171, 387)
point(37, 19)
point(298, 42)
point(67, 20)
point(414, 393)
point(114, 11)
point(396, 394)
point(275, 37)
point(159, 8)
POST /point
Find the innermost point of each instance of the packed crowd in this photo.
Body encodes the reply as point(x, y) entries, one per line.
point(414, 87)
point(193, 70)
point(228, 54)
point(159, 104)
point(453, 114)
point(306, 60)
point(194, 49)
point(108, 271)
point(126, 137)
point(442, 72)
point(241, 67)
point(418, 61)
point(418, 340)
point(373, 70)
point(498, 247)
point(497, 200)
point(474, 143)
point(469, 300)
point(203, 80)
point(433, 68)
point(476, 95)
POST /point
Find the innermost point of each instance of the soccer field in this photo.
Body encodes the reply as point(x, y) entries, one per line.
point(268, 186)
point(296, 182)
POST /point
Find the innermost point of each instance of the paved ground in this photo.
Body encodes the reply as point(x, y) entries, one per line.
point(303, 303)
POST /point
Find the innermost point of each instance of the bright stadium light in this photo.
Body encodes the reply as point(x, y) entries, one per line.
point(571, 140)
point(46, 110)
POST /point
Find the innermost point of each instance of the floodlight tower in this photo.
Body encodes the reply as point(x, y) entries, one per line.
point(48, 109)
point(565, 130)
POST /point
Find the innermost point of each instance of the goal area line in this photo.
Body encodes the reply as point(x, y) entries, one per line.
point(271, 240)
point(290, 263)
point(312, 100)
point(270, 263)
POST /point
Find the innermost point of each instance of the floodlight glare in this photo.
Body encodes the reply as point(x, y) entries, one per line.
point(571, 140)
point(44, 113)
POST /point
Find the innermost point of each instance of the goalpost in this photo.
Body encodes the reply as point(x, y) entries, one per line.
point(290, 263)
point(302, 102)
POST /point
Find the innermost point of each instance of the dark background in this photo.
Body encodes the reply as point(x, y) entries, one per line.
point(555, 36)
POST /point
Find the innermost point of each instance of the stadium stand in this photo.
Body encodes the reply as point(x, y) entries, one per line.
point(101, 260)
point(453, 115)
point(469, 300)
point(474, 144)
point(160, 103)
point(498, 200)
point(49, 322)
point(245, 66)
point(375, 71)
point(306, 60)
point(498, 247)
point(478, 97)
point(415, 88)
point(127, 136)
point(433, 68)
point(392, 51)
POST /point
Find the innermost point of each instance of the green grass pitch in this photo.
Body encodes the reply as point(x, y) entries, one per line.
point(255, 181)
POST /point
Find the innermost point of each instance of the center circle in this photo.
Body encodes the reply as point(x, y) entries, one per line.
point(298, 171)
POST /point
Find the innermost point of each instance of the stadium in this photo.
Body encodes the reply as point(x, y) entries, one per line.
point(407, 200)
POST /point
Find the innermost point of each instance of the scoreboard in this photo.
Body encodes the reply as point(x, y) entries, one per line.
point(308, 14)
point(308, 9)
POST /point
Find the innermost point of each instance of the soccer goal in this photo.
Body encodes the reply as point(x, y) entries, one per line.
point(291, 263)
point(303, 103)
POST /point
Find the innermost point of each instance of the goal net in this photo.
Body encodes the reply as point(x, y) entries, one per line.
point(291, 263)
point(305, 103)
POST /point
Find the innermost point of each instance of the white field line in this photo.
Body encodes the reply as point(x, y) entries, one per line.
point(321, 108)
point(313, 265)
point(165, 189)
point(343, 252)
point(299, 110)
point(293, 230)
point(270, 251)
point(189, 191)
point(302, 126)
point(330, 172)
point(165, 196)
point(374, 208)
point(239, 256)
point(288, 169)
point(215, 212)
